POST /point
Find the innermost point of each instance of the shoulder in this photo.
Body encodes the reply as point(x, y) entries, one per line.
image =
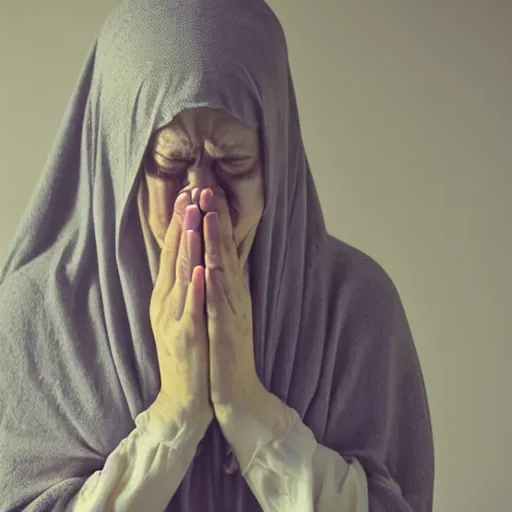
point(359, 270)
point(365, 300)
point(367, 297)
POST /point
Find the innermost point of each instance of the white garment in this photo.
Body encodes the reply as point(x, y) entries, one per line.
point(294, 473)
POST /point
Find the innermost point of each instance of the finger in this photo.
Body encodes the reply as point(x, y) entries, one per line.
point(194, 308)
point(193, 221)
point(189, 256)
point(212, 242)
point(195, 301)
point(220, 280)
point(217, 202)
point(172, 241)
point(182, 277)
point(215, 298)
point(195, 195)
point(195, 251)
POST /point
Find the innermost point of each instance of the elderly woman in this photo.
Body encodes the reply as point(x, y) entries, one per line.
point(178, 331)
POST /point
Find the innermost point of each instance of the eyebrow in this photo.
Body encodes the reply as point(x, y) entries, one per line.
point(176, 152)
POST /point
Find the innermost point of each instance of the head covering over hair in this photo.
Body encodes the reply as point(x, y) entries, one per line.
point(78, 360)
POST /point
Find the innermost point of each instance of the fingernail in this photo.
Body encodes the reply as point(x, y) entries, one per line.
point(192, 217)
point(195, 195)
point(207, 195)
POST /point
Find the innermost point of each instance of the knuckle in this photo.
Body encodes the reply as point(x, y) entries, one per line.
point(156, 313)
point(212, 249)
point(168, 250)
point(172, 234)
point(173, 310)
point(226, 240)
point(179, 209)
point(182, 269)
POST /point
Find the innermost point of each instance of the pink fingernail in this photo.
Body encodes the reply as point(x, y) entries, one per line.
point(192, 218)
point(195, 195)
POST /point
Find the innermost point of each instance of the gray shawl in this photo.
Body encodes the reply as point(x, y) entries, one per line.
point(77, 357)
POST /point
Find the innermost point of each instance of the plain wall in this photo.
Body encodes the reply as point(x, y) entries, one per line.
point(406, 112)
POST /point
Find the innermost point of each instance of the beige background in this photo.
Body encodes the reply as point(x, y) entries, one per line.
point(406, 111)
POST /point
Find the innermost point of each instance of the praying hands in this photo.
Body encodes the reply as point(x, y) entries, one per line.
point(202, 321)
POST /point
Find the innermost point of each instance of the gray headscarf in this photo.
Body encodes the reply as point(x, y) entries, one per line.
point(78, 360)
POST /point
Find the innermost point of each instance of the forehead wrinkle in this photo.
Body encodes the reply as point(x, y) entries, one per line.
point(219, 138)
point(231, 139)
point(169, 140)
point(226, 146)
point(223, 132)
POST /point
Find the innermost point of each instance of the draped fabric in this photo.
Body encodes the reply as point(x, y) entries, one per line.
point(78, 359)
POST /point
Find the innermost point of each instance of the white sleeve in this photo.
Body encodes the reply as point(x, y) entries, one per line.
point(296, 473)
point(144, 471)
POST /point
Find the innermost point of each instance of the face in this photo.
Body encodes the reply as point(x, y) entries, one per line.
point(206, 148)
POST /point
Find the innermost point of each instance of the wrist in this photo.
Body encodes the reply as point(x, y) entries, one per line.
point(167, 422)
point(249, 427)
point(264, 410)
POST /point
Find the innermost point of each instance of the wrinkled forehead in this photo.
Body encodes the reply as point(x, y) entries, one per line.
point(172, 55)
point(201, 125)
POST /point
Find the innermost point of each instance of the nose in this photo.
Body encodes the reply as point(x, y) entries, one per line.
point(202, 174)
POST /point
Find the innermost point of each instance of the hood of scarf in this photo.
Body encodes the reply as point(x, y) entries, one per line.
point(330, 335)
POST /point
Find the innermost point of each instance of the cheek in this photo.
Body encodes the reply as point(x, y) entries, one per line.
point(247, 202)
point(162, 195)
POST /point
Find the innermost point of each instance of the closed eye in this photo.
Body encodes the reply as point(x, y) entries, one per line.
point(235, 159)
point(180, 160)
point(225, 160)
point(168, 167)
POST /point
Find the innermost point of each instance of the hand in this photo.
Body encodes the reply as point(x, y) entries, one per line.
point(178, 319)
point(234, 384)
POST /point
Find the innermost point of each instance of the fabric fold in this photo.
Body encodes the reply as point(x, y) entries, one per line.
point(331, 337)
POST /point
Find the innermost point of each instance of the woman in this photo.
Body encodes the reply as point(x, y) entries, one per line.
point(172, 288)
